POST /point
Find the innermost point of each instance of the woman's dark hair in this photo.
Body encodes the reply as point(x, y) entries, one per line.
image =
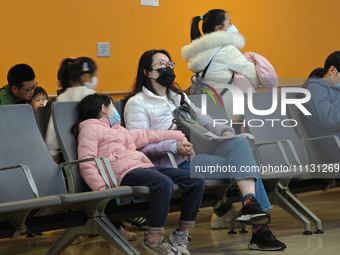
point(71, 70)
point(332, 60)
point(89, 108)
point(211, 19)
point(142, 80)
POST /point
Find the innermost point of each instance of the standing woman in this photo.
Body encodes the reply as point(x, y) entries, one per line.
point(78, 78)
point(219, 46)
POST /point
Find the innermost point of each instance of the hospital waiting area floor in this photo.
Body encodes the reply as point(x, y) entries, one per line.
point(205, 241)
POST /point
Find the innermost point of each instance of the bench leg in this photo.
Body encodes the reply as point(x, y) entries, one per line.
point(303, 209)
point(93, 226)
point(277, 199)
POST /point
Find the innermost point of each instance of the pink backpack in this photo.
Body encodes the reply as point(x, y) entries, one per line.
point(265, 72)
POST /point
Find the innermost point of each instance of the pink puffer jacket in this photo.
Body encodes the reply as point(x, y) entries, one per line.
point(97, 139)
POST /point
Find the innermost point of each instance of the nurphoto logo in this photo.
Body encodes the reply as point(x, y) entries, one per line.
point(239, 104)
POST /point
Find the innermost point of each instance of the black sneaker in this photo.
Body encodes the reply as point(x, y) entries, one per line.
point(264, 240)
point(139, 222)
point(252, 213)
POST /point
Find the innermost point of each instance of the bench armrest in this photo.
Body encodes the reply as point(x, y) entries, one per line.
point(28, 176)
point(69, 178)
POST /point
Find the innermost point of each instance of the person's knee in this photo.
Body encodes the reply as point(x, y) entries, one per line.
point(242, 142)
point(199, 183)
point(165, 184)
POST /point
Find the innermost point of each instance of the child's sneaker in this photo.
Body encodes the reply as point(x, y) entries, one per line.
point(264, 240)
point(180, 240)
point(252, 213)
point(160, 248)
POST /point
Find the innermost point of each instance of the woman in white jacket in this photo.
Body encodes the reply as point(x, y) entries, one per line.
point(150, 106)
point(220, 44)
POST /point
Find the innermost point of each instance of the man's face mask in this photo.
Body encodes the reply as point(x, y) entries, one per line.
point(166, 76)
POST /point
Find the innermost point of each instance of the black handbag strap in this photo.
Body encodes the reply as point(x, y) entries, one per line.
point(206, 68)
point(229, 82)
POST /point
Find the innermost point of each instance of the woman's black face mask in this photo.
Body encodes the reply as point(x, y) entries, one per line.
point(166, 76)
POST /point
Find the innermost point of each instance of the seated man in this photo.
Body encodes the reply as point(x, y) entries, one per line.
point(21, 85)
point(324, 105)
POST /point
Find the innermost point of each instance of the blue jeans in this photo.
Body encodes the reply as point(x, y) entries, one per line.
point(161, 180)
point(233, 154)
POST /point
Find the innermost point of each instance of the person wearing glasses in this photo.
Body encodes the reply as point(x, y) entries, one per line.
point(150, 105)
point(20, 87)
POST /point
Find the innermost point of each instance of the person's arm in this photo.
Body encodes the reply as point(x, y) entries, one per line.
point(142, 138)
point(135, 115)
point(208, 122)
point(238, 63)
point(325, 111)
point(88, 148)
point(163, 146)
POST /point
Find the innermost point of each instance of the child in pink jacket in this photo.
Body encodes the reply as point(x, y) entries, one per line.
point(101, 135)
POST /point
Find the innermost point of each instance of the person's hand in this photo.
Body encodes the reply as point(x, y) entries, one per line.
point(228, 134)
point(185, 148)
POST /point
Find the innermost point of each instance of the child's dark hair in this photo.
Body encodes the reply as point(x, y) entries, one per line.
point(72, 69)
point(89, 108)
point(40, 90)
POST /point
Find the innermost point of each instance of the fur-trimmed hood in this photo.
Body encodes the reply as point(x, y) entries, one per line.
point(212, 41)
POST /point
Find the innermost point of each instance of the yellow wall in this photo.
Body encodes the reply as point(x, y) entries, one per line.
point(296, 36)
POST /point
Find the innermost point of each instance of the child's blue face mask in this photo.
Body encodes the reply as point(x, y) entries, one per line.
point(114, 119)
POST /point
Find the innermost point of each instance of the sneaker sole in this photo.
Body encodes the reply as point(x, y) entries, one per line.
point(254, 219)
point(265, 248)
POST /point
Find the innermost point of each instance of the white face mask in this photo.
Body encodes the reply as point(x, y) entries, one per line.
point(231, 29)
point(92, 84)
